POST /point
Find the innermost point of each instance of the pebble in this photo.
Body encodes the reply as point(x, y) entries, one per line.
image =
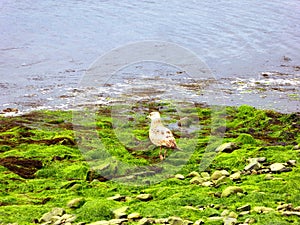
point(231, 190)
point(54, 212)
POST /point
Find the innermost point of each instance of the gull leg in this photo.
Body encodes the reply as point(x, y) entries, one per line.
point(165, 153)
point(160, 155)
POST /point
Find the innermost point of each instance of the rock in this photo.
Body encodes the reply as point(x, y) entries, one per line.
point(297, 209)
point(216, 175)
point(292, 162)
point(233, 215)
point(193, 174)
point(229, 221)
point(244, 213)
point(187, 222)
point(235, 176)
point(117, 197)
point(277, 167)
point(205, 175)
point(207, 184)
point(215, 218)
point(246, 207)
point(54, 212)
point(197, 180)
point(134, 216)
point(76, 203)
point(221, 180)
point(120, 213)
point(65, 219)
point(269, 177)
point(179, 176)
point(146, 221)
point(262, 209)
point(161, 221)
point(231, 190)
point(102, 222)
point(245, 139)
point(226, 147)
point(184, 122)
point(285, 207)
point(199, 222)
point(173, 220)
point(253, 165)
point(225, 213)
point(117, 221)
point(290, 213)
point(250, 220)
point(144, 197)
point(296, 147)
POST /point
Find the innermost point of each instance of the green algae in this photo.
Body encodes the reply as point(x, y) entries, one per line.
point(50, 137)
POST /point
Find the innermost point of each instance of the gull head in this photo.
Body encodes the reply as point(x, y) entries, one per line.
point(154, 115)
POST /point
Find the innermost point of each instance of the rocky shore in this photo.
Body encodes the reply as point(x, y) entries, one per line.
point(45, 178)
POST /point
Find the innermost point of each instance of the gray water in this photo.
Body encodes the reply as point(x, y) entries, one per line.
point(46, 46)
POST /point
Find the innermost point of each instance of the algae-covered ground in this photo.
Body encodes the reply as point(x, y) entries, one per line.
point(48, 159)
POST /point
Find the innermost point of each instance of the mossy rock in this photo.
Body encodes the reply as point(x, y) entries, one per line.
point(245, 139)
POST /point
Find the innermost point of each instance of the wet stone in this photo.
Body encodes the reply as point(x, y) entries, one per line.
point(179, 176)
point(117, 197)
point(193, 174)
point(235, 176)
point(216, 175)
point(279, 167)
point(173, 220)
point(226, 147)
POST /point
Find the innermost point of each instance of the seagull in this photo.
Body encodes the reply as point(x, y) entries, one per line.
point(160, 135)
